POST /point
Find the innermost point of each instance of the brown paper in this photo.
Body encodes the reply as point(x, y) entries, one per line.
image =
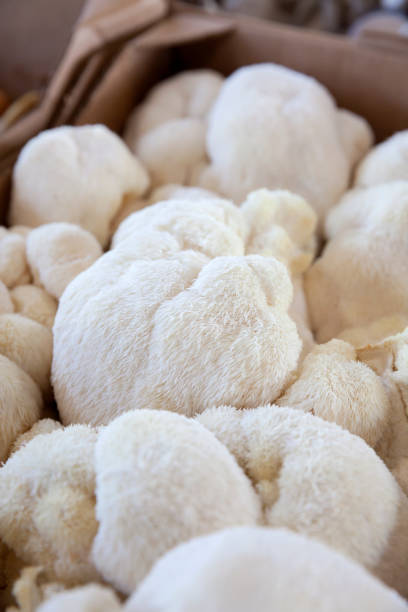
point(92, 36)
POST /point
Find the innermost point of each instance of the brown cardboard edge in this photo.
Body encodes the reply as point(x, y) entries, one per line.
point(181, 29)
point(117, 92)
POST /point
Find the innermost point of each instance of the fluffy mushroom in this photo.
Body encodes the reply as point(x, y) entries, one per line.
point(229, 315)
point(168, 130)
point(160, 194)
point(13, 261)
point(316, 478)
point(121, 323)
point(212, 226)
point(29, 589)
point(299, 312)
point(20, 402)
point(47, 504)
point(173, 191)
point(172, 150)
point(282, 225)
point(334, 386)
point(161, 479)
point(43, 426)
point(79, 175)
point(6, 304)
point(29, 345)
point(34, 303)
point(253, 568)
point(387, 162)
point(273, 127)
point(20, 230)
point(58, 252)
point(356, 135)
point(389, 359)
point(368, 240)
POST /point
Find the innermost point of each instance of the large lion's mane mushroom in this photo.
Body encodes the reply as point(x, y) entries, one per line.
point(80, 175)
point(276, 128)
point(176, 277)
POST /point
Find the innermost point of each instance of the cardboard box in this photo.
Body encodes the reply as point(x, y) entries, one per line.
point(121, 47)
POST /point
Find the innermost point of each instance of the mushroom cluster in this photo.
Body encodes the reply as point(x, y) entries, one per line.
point(204, 357)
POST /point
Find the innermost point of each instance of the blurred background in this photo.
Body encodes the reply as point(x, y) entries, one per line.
point(35, 33)
point(330, 15)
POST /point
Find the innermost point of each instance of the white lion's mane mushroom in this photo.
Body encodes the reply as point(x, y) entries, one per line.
point(336, 387)
point(20, 230)
point(34, 303)
point(29, 345)
point(318, 479)
point(168, 130)
point(47, 503)
point(282, 225)
point(58, 252)
point(276, 128)
point(299, 312)
point(42, 426)
point(80, 175)
point(6, 303)
point(260, 569)
point(161, 479)
point(356, 134)
point(121, 324)
point(13, 261)
point(386, 162)
point(360, 276)
point(213, 226)
point(160, 194)
point(173, 191)
point(20, 403)
point(389, 359)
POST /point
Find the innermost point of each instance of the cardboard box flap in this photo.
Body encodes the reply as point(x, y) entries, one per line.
point(122, 20)
point(184, 28)
point(117, 92)
point(73, 99)
point(91, 36)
